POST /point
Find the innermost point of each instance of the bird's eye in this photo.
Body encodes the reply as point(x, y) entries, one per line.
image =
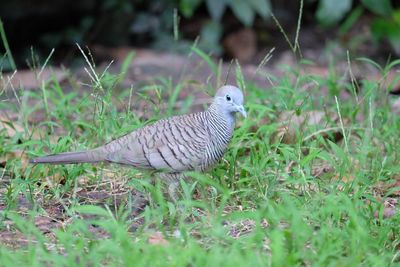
point(228, 98)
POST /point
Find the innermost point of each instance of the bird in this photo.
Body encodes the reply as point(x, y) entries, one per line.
point(171, 146)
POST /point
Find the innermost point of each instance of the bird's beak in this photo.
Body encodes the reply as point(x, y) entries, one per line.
point(242, 111)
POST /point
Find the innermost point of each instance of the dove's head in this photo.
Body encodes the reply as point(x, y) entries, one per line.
point(229, 100)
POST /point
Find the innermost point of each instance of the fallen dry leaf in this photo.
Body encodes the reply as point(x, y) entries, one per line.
point(291, 123)
point(18, 154)
point(10, 128)
point(347, 177)
point(46, 224)
point(318, 170)
point(50, 180)
point(386, 80)
point(395, 192)
point(157, 238)
point(389, 209)
point(321, 169)
point(243, 227)
point(391, 189)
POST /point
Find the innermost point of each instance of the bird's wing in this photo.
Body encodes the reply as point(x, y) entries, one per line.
point(177, 144)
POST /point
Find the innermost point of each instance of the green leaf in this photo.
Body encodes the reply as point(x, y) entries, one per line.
point(382, 28)
point(393, 64)
point(239, 76)
point(127, 62)
point(395, 43)
point(174, 97)
point(331, 11)
point(243, 11)
point(350, 20)
point(187, 7)
point(216, 8)
point(206, 58)
point(370, 62)
point(262, 7)
point(379, 7)
point(7, 48)
point(210, 37)
point(396, 16)
point(92, 210)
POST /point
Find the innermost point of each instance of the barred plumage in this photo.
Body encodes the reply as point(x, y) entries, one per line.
point(181, 143)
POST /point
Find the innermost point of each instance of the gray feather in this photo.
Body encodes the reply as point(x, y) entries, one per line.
point(90, 156)
point(181, 143)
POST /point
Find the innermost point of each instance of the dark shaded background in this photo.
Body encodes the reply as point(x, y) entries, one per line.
point(33, 27)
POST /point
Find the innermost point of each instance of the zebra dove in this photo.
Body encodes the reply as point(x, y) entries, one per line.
point(193, 142)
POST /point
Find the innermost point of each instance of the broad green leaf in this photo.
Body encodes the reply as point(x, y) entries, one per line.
point(351, 19)
point(382, 28)
point(210, 37)
point(187, 7)
point(262, 7)
point(243, 11)
point(216, 8)
point(93, 210)
point(395, 43)
point(396, 16)
point(379, 7)
point(331, 11)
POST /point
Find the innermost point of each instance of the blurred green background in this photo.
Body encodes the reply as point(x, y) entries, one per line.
point(367, 27)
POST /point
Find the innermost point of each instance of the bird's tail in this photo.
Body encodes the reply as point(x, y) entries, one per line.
point(90, 156)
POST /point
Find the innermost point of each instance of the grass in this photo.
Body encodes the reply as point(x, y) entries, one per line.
point(264, 204)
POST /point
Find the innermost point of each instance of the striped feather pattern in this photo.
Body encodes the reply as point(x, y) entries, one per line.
point(181, 143)
point(190, 142)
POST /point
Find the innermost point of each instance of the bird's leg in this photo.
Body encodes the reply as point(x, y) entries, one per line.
point(138, 203)
point(173, 191)
point(172, 181)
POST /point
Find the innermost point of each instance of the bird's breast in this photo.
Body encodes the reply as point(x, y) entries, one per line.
point(220, 132)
